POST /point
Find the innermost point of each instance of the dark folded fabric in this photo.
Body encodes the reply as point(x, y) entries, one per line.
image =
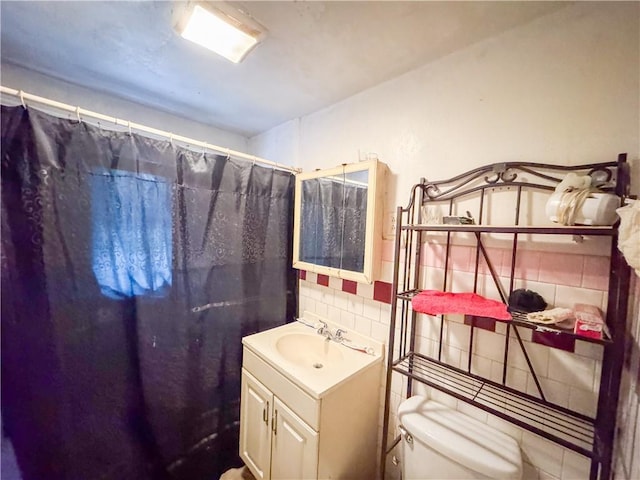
point(522, 300)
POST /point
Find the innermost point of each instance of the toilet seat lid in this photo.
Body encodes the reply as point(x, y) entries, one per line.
point(463, 439)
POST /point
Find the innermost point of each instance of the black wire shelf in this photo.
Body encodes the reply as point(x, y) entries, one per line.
point(520, 229)
point(520, 319)
point(565, 427)
point(587, 436)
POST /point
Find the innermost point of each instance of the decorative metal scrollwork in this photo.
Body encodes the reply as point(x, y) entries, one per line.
point(432, 191)
point(600, 176)
point(508, 175)
point(502, 173)
point(521, 174)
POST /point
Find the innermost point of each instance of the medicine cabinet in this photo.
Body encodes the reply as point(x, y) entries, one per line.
point(338, 220)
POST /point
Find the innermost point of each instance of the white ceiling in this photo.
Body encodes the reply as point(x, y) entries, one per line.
point(316, 53)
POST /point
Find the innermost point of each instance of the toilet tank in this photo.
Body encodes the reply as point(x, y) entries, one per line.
point(447, 444)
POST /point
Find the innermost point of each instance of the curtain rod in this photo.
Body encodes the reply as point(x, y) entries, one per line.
point(24, 96)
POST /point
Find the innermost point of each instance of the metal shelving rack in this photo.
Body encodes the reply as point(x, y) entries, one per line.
point(591, 437)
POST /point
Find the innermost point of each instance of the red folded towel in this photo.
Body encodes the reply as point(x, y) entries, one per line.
point(435, 302)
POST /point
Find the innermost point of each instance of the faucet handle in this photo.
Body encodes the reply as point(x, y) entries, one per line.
point(339, 335)
point(323, 327)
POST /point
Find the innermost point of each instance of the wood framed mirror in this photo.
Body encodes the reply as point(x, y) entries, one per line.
point(338, 220)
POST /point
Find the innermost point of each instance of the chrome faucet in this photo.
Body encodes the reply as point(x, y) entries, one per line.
point(326, 333)
point(324, 330)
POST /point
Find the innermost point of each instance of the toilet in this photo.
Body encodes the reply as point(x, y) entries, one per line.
point(441, 443)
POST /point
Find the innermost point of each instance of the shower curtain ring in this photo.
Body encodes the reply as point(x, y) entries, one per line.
point(21, 95)
point(171, 138)
point(129, 125)
point(78, 114)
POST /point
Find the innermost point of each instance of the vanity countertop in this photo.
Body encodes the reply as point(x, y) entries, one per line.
point(305, 357)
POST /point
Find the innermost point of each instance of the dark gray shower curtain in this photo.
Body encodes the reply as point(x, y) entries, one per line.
point(130, 271)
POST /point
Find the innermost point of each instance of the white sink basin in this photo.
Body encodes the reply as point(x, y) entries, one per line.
point(309, 360)
point(312, 351)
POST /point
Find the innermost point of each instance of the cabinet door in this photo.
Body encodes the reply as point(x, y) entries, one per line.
point(294, 447)
point(255, 432)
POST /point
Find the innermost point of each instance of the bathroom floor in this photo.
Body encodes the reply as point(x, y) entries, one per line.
point(11, 471)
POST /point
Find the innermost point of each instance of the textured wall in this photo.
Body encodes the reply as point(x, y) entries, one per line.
point(562, 89)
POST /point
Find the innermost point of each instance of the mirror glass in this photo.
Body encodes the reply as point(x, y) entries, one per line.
point(332, 210)
point(333, 221)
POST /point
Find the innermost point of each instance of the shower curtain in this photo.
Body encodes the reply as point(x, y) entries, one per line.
point(130, 271)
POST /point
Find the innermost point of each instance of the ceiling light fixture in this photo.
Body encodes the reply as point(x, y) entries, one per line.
point(222, 29)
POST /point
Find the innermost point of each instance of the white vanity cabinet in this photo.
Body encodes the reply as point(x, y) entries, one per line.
point(274, 442)
point(288, 432)
point(255, 426)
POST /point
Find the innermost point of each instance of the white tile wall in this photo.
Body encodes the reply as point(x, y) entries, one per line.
point(568, 296)
point(483, 366)
point(542, 453)
point(583, 401)
point(488, 345)
point(571, 369)
point(517, 379)
point(457, 335)
point(538, 355)
point(568, 379)
point(554, 391)
point(574, 466)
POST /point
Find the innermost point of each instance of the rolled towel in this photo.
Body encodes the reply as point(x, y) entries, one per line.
point(554, 315)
